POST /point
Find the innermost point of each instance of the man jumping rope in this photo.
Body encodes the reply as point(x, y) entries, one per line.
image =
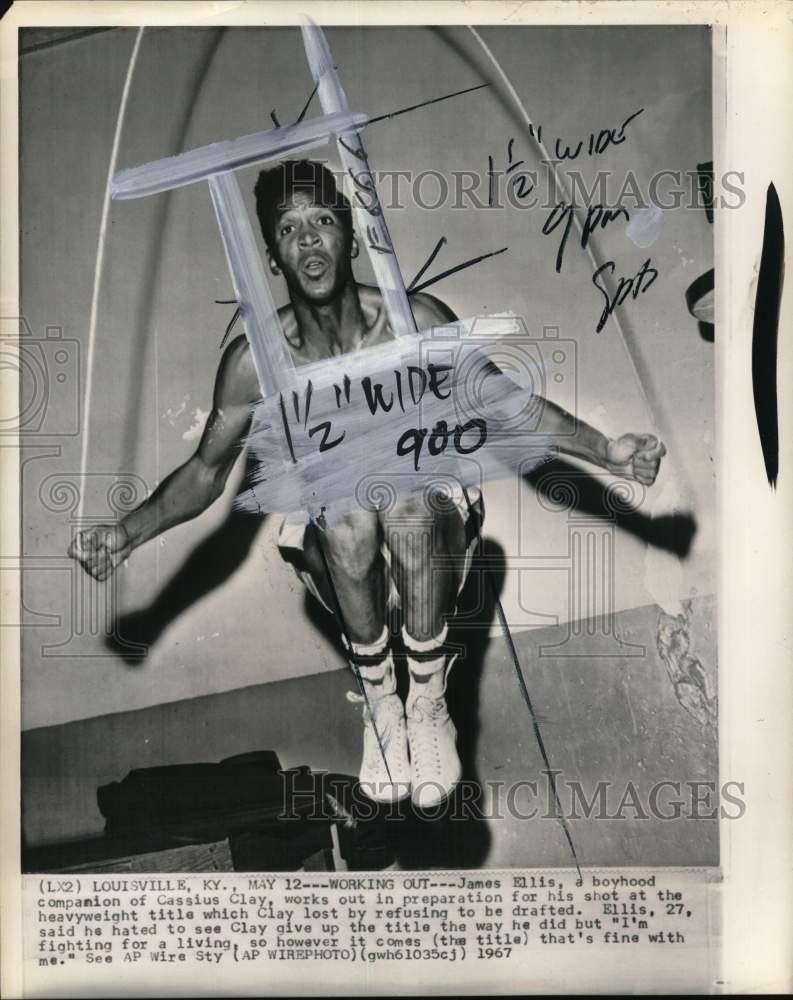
point(367, 560)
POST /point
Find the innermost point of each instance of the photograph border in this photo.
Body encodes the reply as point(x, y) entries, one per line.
point(750, 914)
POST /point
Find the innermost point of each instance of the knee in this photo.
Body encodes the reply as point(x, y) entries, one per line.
point(412, 528)
point(416, 527)
point(412, 508)
point(353, 548)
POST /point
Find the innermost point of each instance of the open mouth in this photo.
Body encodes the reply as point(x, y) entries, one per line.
point(314, 266)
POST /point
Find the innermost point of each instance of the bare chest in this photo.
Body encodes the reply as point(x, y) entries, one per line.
point(306, 348)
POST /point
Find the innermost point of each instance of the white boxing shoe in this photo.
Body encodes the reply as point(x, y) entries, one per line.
point(384, 742)
point(435, 765)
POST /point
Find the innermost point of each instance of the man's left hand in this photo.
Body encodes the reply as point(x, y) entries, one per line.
point(635, 455)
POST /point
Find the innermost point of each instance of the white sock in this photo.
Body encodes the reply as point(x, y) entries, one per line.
point(428, 673)
point(378, 677)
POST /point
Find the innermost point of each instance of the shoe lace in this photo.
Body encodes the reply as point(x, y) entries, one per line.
point(432, 706)
point(425, 707)
point(380, 705)
point(428, 715)
point(383, 714)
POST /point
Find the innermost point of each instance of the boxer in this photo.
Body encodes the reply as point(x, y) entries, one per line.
point(367, 560)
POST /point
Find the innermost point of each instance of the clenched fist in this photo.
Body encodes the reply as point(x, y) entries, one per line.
point(101, 548)
point(635, 455)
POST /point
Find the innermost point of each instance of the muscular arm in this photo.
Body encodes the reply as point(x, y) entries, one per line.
point(636, 455)
point(191, 488)
point(196, 484)
point(571, 436)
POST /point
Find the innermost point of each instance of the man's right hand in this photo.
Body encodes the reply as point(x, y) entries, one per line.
point(101, 548)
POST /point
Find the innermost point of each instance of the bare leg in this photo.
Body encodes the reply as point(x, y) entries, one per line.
point(347, 565)
point(351, 549)
point(427, 548)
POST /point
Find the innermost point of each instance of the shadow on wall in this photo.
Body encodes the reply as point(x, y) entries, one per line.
point(674, 533)
point(213, 561)
point(219, 556)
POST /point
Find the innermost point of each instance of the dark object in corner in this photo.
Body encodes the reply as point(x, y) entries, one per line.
point(700, 302)
point(244, 813)
point(180, 792)
point(765, 333)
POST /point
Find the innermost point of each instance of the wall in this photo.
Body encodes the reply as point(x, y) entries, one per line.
point(212, 598)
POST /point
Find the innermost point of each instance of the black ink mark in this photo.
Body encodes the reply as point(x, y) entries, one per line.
point(286, 427)
point(379, 239)
point(360, 152)
point(705, 186)
point(423, 104)
point(459, 267)
point(597, 215)
point(552, 222)
point(412, 440)
point(302, 114)
point(596, 143)
point(367, 185)
point(374, 396)
point(234, 318)
point(325, 444)
point(519, 182)
point(522, 184)
point(565, 152)
point(309, 390)
point(478, 424)
point(372, 235)
point(621, 129)
point(535, 133)
point(513, 164)
point(441, 243)
point(626, 286)
point(765, 334)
